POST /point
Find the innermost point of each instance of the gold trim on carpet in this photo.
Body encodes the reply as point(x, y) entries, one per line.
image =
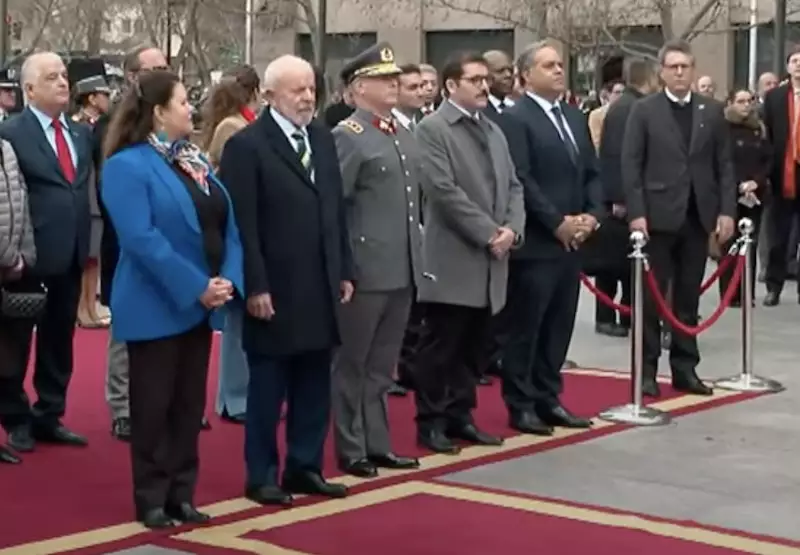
point(229, 536)
point(118, 532)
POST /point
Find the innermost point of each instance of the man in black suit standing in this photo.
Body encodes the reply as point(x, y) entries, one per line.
point(501, 85)
point(555, 161)
point(284, 179)
point(55, 158)
point(679, 188)
point(641, 80)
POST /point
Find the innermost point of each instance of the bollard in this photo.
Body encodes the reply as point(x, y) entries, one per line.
point(634, 412)
point(746, 381)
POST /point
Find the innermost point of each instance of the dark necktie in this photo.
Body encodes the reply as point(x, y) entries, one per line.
point(62, 152)
point(565, 136)
point(501, 105)
point(302, 150)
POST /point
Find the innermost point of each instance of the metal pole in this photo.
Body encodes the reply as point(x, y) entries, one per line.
point(248, 32)
point(753, 50)
point(746, 380)
point(320, 53)
point(4, 32)
point(779, 28)
point(634, 412)
point(169, 32)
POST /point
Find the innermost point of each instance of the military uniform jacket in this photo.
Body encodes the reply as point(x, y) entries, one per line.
point(380, 174)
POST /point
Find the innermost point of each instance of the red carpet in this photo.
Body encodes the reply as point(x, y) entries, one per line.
point(59, 491)
point(432, 525)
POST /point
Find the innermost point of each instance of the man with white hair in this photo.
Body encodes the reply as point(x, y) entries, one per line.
point(285, 183)
point(55, 158)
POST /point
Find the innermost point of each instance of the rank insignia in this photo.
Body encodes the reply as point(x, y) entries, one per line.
point(352, 125)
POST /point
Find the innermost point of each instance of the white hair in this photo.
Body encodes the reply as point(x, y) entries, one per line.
point(278, 67)
point(32, 69)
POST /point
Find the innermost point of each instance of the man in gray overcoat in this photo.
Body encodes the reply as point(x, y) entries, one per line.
point(474, 215)
point(379, 162)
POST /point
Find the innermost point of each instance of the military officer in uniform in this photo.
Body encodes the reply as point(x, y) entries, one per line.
point(9, 93)
point(380, 168)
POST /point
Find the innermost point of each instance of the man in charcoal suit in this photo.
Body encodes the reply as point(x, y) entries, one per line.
point(286, 186)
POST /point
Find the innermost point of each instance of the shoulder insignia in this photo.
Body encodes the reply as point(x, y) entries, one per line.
point(352, 125)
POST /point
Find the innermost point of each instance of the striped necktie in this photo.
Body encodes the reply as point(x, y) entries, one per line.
point(302, 150)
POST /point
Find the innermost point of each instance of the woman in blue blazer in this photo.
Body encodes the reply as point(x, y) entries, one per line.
point(180, 264)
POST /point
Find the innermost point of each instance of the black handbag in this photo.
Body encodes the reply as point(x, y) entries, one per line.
point(26, 304)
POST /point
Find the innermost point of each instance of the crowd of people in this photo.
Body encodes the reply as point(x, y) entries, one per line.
point(426, 232)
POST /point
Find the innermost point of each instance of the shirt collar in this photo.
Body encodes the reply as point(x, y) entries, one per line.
point(507, 102)
point(286, 126)
point(46, 121)
point(401, 118)
point(464, 111)
point(545, 104)
point(683, 101)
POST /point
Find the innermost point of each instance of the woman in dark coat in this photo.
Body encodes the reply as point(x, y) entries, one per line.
point(751, 163)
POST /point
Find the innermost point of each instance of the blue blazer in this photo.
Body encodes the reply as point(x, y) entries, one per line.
point(162, 269)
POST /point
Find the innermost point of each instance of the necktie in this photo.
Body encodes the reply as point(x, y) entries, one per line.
point(565, 136)
point(62, 151)
point(501, 106)
point(302, 150)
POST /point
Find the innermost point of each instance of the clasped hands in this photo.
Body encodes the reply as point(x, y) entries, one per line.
point(748, 197)
point(260, 306)
point(218, 292)
point(501, 243)
point(574, 230)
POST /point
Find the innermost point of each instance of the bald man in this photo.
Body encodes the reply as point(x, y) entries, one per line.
point(55, 158)
point(501, 82)
point(285, 183)
point(705, 86)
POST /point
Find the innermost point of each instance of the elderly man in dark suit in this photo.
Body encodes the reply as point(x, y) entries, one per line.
point(474, 215)
point(555, 161)
point(55, 159)
point(679, 189)
point(284, 178)
point(641, 79)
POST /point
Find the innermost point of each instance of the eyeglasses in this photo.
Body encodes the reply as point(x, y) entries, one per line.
point(476, 80)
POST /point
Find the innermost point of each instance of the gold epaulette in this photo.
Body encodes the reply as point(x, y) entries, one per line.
point(352, 125)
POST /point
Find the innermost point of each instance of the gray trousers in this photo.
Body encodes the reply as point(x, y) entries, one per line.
point(372, 330)
point(117, 379)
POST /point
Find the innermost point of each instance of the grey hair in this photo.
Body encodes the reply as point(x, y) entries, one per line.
point(680, 46)
point(32, 69)
point(525, 59)
point(427, 68)
point(278, 67)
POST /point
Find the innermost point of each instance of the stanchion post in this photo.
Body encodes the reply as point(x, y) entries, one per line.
point(634, 412)
point(746, 380)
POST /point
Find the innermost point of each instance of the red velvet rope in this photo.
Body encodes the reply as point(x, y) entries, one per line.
point(668, 316)
point(626, 310)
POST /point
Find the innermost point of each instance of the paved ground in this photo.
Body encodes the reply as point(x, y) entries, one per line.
point(734, 467)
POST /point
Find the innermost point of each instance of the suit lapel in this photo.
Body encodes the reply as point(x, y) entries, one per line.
point(175, 186)
point(39, 137)
point(671, 122)
point(541, 121)
point(280, 143)
point(698, 123)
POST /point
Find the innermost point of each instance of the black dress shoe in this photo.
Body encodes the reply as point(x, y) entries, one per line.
point(312, 483)
point(772, 299)
point(205, 425)
point(436, 441)
point(268, 495)
point(360, 468)
point(59, 435)
point(471, 434)
point(650, 388)
point(7, 456)
point(530, 423)
point(485, 380)
point(233, 418)
point(692, 385)
point(186, 512)
point(21, 440)
point(569, 365)
point(156, 519)
point(610, 329)
point(121, 428)
point(559, 416)
point(395, 462)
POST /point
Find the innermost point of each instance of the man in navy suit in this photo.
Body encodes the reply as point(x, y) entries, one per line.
point(555, 161)
point(284, 179)
point(55, 159)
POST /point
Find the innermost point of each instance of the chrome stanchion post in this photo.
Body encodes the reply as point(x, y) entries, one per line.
point(634, 412)
point(746, 380)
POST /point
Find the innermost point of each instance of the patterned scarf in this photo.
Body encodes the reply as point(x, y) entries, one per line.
point(187, 157)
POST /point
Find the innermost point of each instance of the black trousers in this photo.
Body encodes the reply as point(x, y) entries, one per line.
point(445, 374)
point(54, 350)
point(679, 261)
point(754, 214)
point(782, 216)
point(611, 283)
point(543, 298)
point(167, 398)
point(411, 340)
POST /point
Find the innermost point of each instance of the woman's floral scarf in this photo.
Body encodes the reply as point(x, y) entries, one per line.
point(187, 156)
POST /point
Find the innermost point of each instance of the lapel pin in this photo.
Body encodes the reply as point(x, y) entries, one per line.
point(701, 107)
